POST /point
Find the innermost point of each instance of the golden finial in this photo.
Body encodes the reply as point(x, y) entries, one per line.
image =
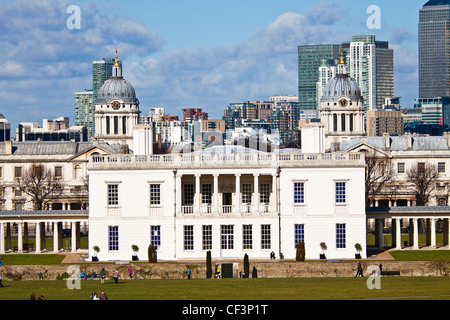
point(342, 61)
point(116, 63)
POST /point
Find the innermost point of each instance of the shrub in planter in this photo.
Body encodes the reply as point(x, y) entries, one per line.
point(246, 266)
point(96, 250)
point(323, 246)
point(135, 249)
point(300, 253)
point(208, 265)
point(358, 250)
point(152, 255)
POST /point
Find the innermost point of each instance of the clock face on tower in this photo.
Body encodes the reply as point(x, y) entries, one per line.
point(116, 105)
point(343, 102)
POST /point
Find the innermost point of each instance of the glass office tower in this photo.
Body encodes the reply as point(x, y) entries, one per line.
point(434, 49)
point(310, 58)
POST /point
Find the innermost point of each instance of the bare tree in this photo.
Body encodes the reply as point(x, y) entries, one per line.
point(424, 176)
point(380, 172)
point(40, 184)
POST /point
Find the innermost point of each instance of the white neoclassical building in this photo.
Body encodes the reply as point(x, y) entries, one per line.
point(228, 200)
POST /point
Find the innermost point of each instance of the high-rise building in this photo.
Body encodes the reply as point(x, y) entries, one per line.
point(84, 110)
point(371, 63)
point(5, 129)
point(310, 58)
point(434, 49)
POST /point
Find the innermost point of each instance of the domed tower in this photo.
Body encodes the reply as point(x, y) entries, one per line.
point(116, 109)
point(341, 108)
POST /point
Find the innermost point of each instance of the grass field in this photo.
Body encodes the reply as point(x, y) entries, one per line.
point(434, 288)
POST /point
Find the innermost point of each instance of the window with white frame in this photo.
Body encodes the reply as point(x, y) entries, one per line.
point(207, 237)
point(17, 172)
point(264, 193)
point(247, 236)
point(227, 237)
point(206, 193)
point(265, 236)
point(441, 167)
point(155, 236)
point(113, 241)
point(188, 237)
point(401, 167)
point(113, 194)
point(58, 172)
point(299, 234)
point(299, 193)
point(155, 194)
point(247, 193)
point(341, 193)
point(188, 193)
point(340, 236)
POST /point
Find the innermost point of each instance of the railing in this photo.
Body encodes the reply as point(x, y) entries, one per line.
point(227, 209)
point(270, 159)
point(187, 210)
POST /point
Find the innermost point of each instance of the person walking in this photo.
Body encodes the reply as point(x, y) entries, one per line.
point(130, 271)
point(116, 276)
point(359, 271)
point(188, 272)
point(103, 296)
point(1, 280)
point(102, 275)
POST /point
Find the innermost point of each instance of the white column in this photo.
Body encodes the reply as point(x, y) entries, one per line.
point(256, 193)
point(398, 234)
point(74, 237)
point(179, 194)
point(2, 238)
point(197, 200)
point(238, 193)
point(273, 198)
point(416, 233)
point(433, 232)
point(38, 237)
point(20, 237)
point(216, 194)
point(55, 237)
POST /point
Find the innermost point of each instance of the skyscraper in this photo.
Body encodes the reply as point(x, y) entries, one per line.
point(310, 58)
point(434, 49)
point(371, 64)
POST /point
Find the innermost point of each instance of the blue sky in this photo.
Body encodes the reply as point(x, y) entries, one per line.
point(183, 53)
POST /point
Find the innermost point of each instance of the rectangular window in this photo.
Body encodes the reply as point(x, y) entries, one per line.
point(441, 167)
point(227, 237)
point(155, 194)
point(247, 193)
point(340, 192)
point(207, 237)
point(155, 236)
point(264, 193)
point(340, 236)
point(299, 233)
point(299, 193)
point(58, 172)
point(206, 193)
point(401, 167)
point(421, 167)
point(188, 193)
point(265, 236)
point(17, 172)
point(247, 237)
point(188, 237)
point(113, 243)
point(113, 194)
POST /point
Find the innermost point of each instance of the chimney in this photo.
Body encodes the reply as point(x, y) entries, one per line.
point(8, 147)
point(387, 140)
point(409, 140)
point(447, 135)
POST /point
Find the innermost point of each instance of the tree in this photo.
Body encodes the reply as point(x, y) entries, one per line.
point(424, 176)
point(300, 253)
point(379, 172)
point(41, 185)
point(208, 265)
point(246, 266)
point(152, 254)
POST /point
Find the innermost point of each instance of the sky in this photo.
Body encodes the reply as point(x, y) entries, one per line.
point(184, 53)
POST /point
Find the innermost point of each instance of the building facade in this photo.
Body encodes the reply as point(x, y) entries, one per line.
point(434, 49)
point(228, 201)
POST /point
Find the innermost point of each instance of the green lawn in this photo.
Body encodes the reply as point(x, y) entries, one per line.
point(435, 288)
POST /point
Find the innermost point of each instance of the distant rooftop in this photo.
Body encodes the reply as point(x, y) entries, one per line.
point(437, 3)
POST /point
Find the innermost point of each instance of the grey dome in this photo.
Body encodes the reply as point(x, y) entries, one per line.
point(117, 88)
point(339, 86)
